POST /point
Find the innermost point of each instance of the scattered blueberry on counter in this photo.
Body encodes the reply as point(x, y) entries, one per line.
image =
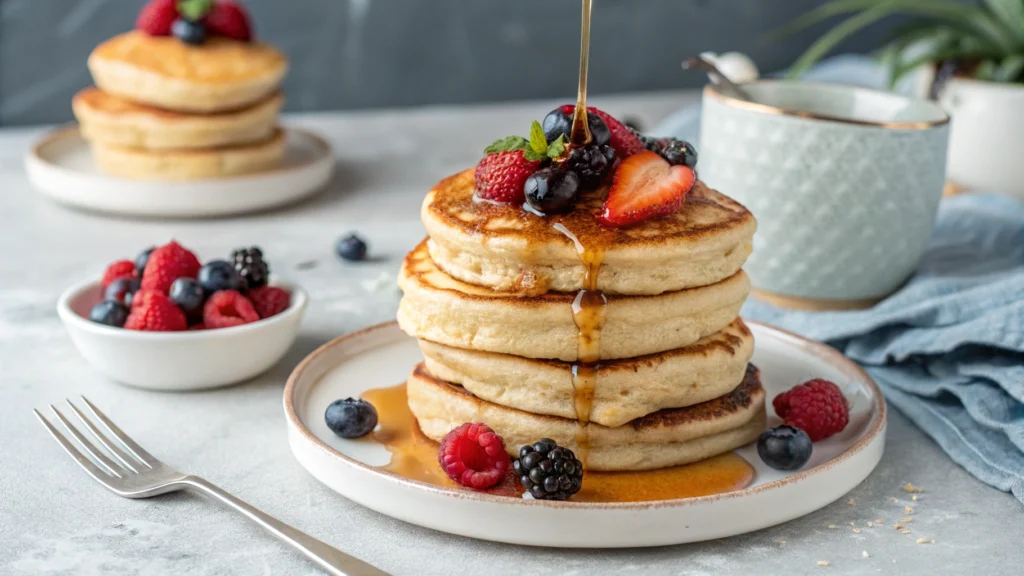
point(351, 418)
point(351, 248)
point(784, 448)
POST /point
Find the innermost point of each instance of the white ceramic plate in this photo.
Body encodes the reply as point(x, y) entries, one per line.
point(383, 356)
point(61, 166)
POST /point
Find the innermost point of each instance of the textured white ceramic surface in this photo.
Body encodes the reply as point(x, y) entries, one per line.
point(986, 143)
point(382, 356)
point(60, 166)
point(179, 360)
point(844, 209)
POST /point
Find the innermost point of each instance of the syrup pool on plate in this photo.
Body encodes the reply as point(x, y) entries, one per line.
point(414, 456)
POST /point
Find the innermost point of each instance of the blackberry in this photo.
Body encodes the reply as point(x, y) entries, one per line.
point(591, 163)
point(251, 267)
point(679, 153)
point(548, 471)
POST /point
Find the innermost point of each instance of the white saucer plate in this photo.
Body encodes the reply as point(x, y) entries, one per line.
point(61, 167)
point(382, 356)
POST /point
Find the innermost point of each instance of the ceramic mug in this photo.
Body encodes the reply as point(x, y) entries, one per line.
point(844, 181)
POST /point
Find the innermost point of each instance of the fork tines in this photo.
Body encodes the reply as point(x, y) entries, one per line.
point(119, 455)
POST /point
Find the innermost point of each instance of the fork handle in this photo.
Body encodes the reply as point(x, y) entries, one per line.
point(332, 560)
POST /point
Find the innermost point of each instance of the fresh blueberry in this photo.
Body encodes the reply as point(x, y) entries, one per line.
point(351, 248)
point(109, 312)
point(121, 289)
point(188, 31)
point(784, 447)
point(552, 189)
point(558, 122)
point(142, 259)
point(218, 275)
point(188, 295)
point(351, 418)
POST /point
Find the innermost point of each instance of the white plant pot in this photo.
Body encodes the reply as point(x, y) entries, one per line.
point(986, 142)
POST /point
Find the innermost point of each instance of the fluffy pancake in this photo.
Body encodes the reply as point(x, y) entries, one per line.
point(190, 164)
point(506, 248)
point(438, 308)
point(162, 71)
point(624, 389)
point(112, 120)
point(664, 438)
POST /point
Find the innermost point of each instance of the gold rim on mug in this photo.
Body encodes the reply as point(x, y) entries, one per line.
point(821, 351)
point(712, 91)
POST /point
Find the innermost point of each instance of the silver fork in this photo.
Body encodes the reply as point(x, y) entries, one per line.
point(137, 474)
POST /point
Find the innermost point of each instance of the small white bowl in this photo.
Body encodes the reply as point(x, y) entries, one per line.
point(176, 361)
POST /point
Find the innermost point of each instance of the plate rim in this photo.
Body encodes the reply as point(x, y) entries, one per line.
point(71, 130)
point(822, 351)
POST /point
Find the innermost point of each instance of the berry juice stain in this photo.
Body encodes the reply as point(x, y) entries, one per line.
point(414, 456)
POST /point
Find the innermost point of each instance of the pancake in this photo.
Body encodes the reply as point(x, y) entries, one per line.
point(507, 248)
point(624, 390)
point(438, 308)
point(162, 71)
point(114, 121)
point(223, 162)
point(664, 438)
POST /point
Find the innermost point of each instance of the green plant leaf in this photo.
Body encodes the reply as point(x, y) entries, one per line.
point(974, 21)
point(506, 144)
point(1009, 14)
point(1009, 70)
point(194, 10)
point(538, 142)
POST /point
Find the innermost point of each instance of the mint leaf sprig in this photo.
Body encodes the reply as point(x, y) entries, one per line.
point(194, 10)
point(536, 149)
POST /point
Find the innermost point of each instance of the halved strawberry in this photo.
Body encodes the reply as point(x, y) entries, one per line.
point(624, 140)
point(645, 186)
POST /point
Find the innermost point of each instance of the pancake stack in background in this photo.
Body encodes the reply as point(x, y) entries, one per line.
point(184, 97)
point(622, 344)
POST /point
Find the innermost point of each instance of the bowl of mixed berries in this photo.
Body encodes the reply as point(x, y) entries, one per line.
point(167, 321)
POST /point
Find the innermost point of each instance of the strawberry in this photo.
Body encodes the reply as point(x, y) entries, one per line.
point(623, 140)
point(645, 186)
point(500, 176)
point(507, 163)
point(229, 19)
point(156, 17)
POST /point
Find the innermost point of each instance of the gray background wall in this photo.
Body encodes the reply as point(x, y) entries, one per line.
point(385, 53)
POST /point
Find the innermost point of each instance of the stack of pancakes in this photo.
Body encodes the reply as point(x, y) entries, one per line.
point(166, 110)
point(622, 344)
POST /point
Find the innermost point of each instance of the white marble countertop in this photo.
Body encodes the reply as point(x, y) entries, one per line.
point(55, 520)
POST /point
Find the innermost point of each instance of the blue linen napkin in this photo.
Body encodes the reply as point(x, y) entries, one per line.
point(948, 348)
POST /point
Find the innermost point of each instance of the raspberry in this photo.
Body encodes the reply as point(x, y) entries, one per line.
point(623, 139)
point(269, 300)
point(500, 176)
point(155, 313)
point(166, 264)
point(474, 456)
point(228, 308)
point(229, 19)
point(156, 17)
point(816, 407)
point(119, 269)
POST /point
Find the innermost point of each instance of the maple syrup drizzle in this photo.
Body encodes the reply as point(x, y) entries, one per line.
point(580, 134)
point(414, 456)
